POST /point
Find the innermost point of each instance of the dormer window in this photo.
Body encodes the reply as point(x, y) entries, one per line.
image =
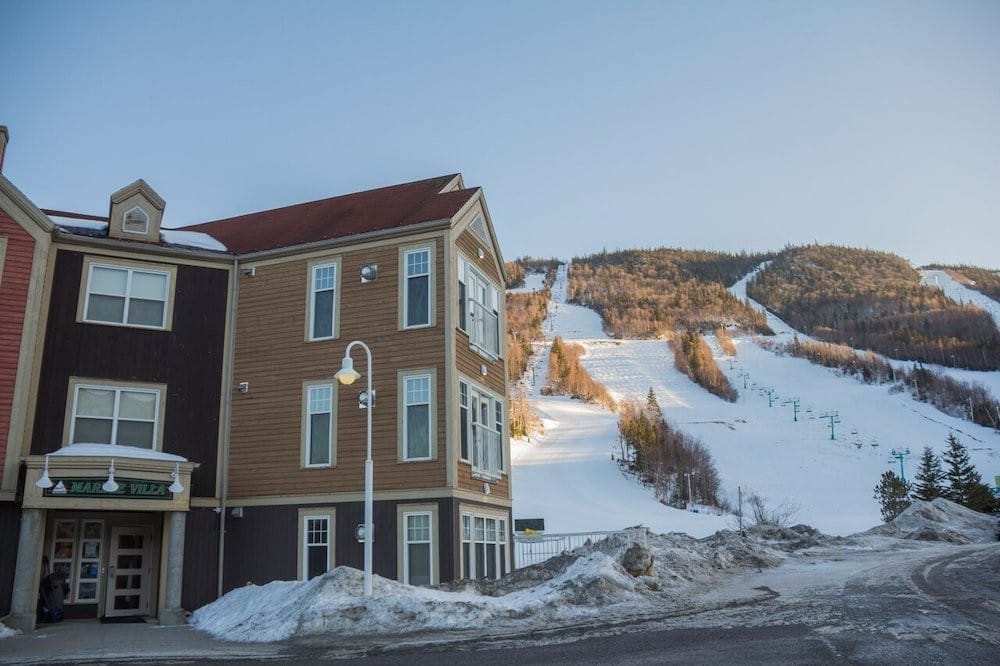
point(135, 221)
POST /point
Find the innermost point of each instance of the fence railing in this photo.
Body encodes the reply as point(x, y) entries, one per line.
point(535, 548)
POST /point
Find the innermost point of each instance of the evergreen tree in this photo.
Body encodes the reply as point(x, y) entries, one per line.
point(653, 405)
point(966, 486)
point(959, 470)
point(893, 495)
point(930, 478)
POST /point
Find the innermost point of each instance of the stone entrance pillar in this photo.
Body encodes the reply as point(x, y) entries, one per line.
point(172, 612)
point(24, 597)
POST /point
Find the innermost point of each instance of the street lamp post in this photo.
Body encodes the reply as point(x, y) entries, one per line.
point(348, 375)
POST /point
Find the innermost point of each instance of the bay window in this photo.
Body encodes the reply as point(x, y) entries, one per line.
point(481, 430)
point(479, 309)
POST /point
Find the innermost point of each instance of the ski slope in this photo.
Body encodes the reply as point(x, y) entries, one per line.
point(959, 293)
point(568, 478)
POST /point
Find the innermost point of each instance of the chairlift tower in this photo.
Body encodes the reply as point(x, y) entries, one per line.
point(770, 396)
point(834, 420)
point(794, 402)
point(900, 454)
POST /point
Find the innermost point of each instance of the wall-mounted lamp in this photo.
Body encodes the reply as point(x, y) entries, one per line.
point(481, 252)
point(482, 369)
point(249, 271)
point(363, 399)
point(176, 486)
point(369, 273)
point(111, 485)
point(236, 512)
point(44, 481)
point(243, 387)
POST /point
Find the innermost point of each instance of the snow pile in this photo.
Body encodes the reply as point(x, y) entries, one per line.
point(7, 632)
point(584, 583)
point(939, 520)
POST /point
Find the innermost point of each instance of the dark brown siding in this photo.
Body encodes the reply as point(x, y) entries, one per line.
point(263, 545)
point(187, 359)
point(10, 529)
point(201, 558)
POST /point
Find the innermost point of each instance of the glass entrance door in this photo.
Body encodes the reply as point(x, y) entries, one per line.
point(129, 572)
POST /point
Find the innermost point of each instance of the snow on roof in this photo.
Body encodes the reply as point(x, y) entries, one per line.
point(194, 239)
point(72, 224)
point(115, 451)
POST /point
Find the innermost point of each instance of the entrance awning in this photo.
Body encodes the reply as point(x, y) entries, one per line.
point(79, 472)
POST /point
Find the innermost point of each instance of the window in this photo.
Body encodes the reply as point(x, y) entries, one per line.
point(481, 426)
point(115, 415)
point(417, 418)
point(479, 309)
point(76, 553)
point(315, 546)
point(463, 417)
point(417, 548)
point(322, 301)
point(127, 296)
point(135, 221)
point(484, 546)
point(416, 295)
point(318, 444)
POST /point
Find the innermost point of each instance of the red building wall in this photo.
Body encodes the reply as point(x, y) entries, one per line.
point(13, 298)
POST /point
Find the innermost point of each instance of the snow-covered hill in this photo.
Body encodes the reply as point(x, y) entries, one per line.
point(568, 478)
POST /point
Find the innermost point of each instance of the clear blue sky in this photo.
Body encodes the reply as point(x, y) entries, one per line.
point(721, 125)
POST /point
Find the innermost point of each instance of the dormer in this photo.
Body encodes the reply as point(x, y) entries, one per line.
point(136, 213)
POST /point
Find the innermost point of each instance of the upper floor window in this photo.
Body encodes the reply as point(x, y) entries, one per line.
point(481, 426)
point(318, 444)
point(135, 221)
point(417, 291)
point(322, 301)
point(127, 296)
point(417, 418)
point(479, 309)
point(115, 415)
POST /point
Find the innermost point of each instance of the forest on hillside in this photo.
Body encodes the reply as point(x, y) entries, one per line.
point(874, 300)
point(983, 280)
point(649, 293)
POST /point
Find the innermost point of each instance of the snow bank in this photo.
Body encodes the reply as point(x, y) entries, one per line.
point(584, 583)
point(7, 632)
point(940, 520)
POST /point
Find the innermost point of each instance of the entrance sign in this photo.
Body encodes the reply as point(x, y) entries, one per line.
point(127, 488)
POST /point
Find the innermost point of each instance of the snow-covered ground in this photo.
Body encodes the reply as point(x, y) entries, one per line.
point(7, 632)
point(532, 282)
point(959, 293)
point(568, 478)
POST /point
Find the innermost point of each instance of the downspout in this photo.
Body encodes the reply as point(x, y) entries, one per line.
point(227, 372)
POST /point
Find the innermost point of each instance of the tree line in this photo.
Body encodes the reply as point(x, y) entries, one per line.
point(567, 376)
point(664, 457)
point(874, 300)
point(962, 399)
point(953, 477)
point(651, 292)
point(694, 358)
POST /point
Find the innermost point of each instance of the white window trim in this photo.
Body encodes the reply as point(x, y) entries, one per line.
point(401, 420)
point(330, 514)
point(494, 399)
point(430, 417)
point(311, 296)
point(130, 271)
point(494, 291)
point(157, 419)
point(403, 292)
point(145, 230)
point(406, 542)
point(406, 287)
point(502, 538)
point(307, 423)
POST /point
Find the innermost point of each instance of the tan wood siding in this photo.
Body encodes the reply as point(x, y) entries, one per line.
point(470, 244)
point(272, 354)
point(499, 489)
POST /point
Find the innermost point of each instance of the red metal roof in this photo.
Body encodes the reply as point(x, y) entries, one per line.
point(347, 215)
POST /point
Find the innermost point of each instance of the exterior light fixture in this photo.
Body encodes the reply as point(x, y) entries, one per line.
point(111, 485)
point(44, 481)
point(176, 486)
point(347, 375)
point(369, 273)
